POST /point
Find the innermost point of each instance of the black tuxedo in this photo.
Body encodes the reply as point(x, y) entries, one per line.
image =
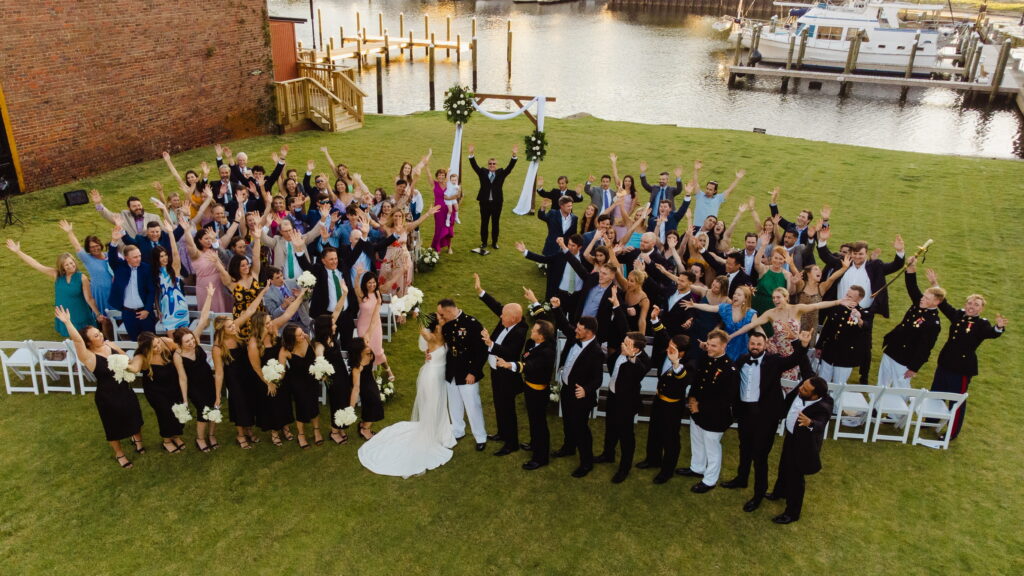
point(466, 350)
point(671, 322)
point(506, 383)
point(605, 322)
point(556, 269)
point(553, 219)
point(623, 406)
point(740, 279)
point(536, 367)
point(759, 420)
point(801, 452)
point(587, 373)
point(491, 197)
point(554, 194)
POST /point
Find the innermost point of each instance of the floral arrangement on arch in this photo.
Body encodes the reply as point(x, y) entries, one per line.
point(458, 104)
point(536, 146)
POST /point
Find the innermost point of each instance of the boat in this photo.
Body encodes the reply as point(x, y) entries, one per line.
point(543, 2)
point(886, 40)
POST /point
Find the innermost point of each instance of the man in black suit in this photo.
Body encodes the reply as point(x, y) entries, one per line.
point(759, 407)
point(561, 223)
point(711, 399)
point(506, 343)
point(802, 254)
point(563, 280)
point(536, 366)
point(490, 196)
point(464, 369)
point(675, 317)
point(668, 409)
point(580, 376)
point(733, 268)
point(869, 274)
point(623, 401)
point(331, 290)
point(807, 412)
point(662, 191)
point(555, 193)
point(800, 228)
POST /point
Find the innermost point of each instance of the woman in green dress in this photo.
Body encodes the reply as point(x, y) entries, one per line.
point(769, 276)
point(71, 289)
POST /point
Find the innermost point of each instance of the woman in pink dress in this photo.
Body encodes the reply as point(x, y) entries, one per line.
point(443, 232)
point(396, 270)
point(368, 325)
point(203, 257)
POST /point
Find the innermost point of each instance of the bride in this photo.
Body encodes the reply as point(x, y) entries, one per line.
point(409, 448)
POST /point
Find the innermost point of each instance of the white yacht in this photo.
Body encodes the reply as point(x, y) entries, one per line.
point(885, 46)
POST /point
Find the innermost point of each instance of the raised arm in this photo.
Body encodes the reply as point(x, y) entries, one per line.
point(225, 278)
point(257, 262)
point(16, 248)
point(758, 320)
point(253, 307)
point(174, 171)
point(410, 226)
point(701, 307)
point(175, 257)
point(759, 264)
point(823, 287)
point(204, 314)
point(201, 211)
point(85, 356)
point(330, 161)
point(67, 228)
point(615, 170)
point(739, 176)
point(727, 235)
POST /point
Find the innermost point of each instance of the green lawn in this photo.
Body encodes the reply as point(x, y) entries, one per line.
point(875, 508)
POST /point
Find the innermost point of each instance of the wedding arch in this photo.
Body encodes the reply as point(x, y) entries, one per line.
point(458, 111)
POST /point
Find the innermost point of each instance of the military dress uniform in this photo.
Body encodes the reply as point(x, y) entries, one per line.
point(843, 343)
point(715, 390)
point(536, 367)
point(908, 345)
point(958, 359)
point(666, 413)
point(466, 356)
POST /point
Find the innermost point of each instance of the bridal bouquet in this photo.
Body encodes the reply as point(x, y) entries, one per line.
point(556, 390)
point(458, 104)
point(118, 364)
point(306, 280)
point(386, 388)
point(212, 415)
point(181, 412)
point(536, 146)
point(345, 417)
point(322, 370)
point(404, 305)
point(273, 371)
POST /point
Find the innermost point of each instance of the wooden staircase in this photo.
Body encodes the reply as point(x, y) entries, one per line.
point(324, 95)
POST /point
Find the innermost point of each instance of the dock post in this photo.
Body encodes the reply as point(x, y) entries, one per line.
point(803, 49)
point(320, 27)
point(910, 65)
point(509, 54)
point(755, 39)
point(430, 51)
point(997, 76)
point(789, 61)
point(401, 24)
point(974, 66)
point(448, 35)
point(774, 23)
point(359, 54)
point(329, 60)
point(380, 87)
point(473, 21)
point(972, 43)
point(410, 46)
point(341, 36)
point(472, 48)
point(359, 24)
point(458, 50)
point(387, 49)
point(380, 23)
point(739, 47)
point(426, 34)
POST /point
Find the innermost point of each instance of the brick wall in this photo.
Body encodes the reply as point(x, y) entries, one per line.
point(92, 86)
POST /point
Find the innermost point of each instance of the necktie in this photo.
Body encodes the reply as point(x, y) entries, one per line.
point(657, 199)
point(284, 291)
point(490, 176)
point(572, 280)
point(291, 260)
point(337, 286)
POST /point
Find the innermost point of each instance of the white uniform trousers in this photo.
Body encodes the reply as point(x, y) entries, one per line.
point(705, 453)
point(465, 398)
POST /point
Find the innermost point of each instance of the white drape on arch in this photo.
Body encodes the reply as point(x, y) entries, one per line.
point(523, 206)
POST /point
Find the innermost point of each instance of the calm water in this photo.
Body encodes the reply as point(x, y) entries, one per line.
point(657, 67)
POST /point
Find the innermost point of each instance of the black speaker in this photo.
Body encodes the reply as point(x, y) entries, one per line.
point(75, 198)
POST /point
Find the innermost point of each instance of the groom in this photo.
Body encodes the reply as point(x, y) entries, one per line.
point(464, 369)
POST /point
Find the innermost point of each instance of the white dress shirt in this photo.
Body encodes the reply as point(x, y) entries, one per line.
point(570, 360)
point(798, 406)
point(750, 380)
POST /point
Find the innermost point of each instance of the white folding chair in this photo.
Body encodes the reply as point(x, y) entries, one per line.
point(387, 318)
point(129, 348)
point(118, 326)
point(853, 400)
point(939, 406)
point(895, 406)
point(18, 357)
point(62, 362)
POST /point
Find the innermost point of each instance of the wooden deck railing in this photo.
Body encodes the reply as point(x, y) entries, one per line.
point(305, 98)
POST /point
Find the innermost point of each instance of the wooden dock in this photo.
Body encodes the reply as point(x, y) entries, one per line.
point(1009, 84)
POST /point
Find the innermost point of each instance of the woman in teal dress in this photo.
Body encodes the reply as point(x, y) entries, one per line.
point(71, 289)
point(770, 276)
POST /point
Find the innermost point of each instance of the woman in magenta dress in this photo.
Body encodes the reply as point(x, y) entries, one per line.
point(368, 324)
point(443, 233)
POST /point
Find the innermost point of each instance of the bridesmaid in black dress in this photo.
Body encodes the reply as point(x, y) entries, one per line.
point(364, 387)
point(232, 370)
point(339, 389)
point(277, 397)
point(202, 389)
point(299, 354)
point(164, 385)
point(115, 401)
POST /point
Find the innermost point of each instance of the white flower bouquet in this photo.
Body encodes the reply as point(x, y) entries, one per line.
point(212, 415)
point(322, 370)
point(181, 412)
point(386, 387)
point(556, 390)
point(429, 257)
point(306, 280)
point(536, 146)
point(273, 371)
point(118, 364)
point(345, 417)
point(404, 305)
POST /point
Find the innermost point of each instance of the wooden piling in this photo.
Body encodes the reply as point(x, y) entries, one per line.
point(387, 49)
point(430, 51)
point(448, 35)
point(380, 23)
point(909, 73)
point(401, 24)
point(789, 61)
point(359, 54)
point(380, 87)
point(329, 60)
point(803, 49)
point(473, 21)
point(997, 76)
point(458, 51)
point(509, 51)
point(472, 48)
point(359, 24)
point(320, 26)
point(341, 36)
point(426, 34)
point(410, 46)
point(975, 61)
point(736, 53)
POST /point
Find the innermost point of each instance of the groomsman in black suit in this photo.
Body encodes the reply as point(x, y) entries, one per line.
point(580, 376)
point(759, 407)
point(958, 360)
point(464, 370)
point(506, 343)
point(807, 411)
point(491, 195)
point(623, 402)
point(734, 270)
point(555, 193)
point(675, 317)
point(668, 410)
point(561, 223)
point(536, 367)
point(711, 399)
point(800, 228)
point(563, 278)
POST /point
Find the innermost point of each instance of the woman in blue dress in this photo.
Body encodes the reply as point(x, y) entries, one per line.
point(735, 315)
point(94, 257)
point(71, 289)
point(167, 276)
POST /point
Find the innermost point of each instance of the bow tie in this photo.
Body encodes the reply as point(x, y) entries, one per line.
point(755, 361)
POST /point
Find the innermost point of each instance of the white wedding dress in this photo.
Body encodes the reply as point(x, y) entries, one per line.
point(409, 448)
